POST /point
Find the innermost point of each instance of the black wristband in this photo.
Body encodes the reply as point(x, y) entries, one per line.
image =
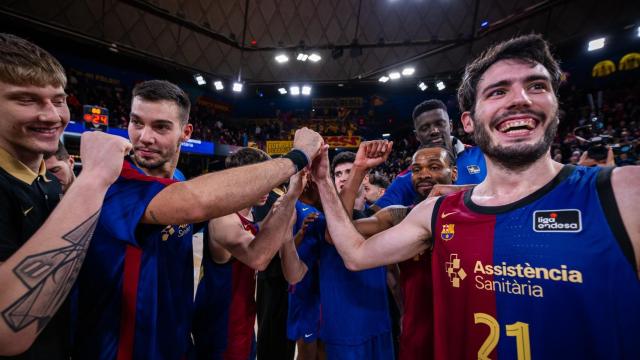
point(298, 157)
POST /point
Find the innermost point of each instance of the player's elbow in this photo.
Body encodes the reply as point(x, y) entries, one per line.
point(294, 277)
point(353, 265)
point(260, 263)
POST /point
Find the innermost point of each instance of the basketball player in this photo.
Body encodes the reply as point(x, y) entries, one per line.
point(136, 287)
point(42, 249)
point(238, 249)
point(60, 164)
point(432, 127)
point(539, 260)
point(430, 166)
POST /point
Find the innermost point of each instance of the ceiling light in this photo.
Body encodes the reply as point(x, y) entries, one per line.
point(315, 57)
point(302, 57)
point(440, 85)
point(386, 135)
point(306, 90)
point(383, 79)
point(237, 87)
point(199, 79)
point(596, 44)
point(282, 58)
point(282, 91)
point(408, 71)
point(484, 24)
point(294, 90)
point(422, 86)
point(218, 85)
point(394, 75)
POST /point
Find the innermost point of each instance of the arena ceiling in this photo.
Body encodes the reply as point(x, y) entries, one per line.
point(437, 37)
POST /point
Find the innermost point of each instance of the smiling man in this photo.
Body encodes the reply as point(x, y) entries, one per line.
point(136, 288)
point(540, 252)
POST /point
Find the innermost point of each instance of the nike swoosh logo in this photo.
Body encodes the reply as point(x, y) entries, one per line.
point(25, 212)
point(305, 209)
point(444, 215)
point(308, 335)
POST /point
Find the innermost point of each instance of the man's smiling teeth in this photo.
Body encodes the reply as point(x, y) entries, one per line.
point(44, 130)
point(518, 124)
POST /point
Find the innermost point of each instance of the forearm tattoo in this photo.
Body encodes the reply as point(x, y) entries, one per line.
point(398, 214)
point(49, 277)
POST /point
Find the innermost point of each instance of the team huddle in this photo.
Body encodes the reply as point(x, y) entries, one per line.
point(499, 251)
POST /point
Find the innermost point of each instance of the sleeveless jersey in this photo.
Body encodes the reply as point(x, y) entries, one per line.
point(242, 312)
point(547, 277)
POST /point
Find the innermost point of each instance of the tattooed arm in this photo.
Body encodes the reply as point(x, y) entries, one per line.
point(381, 221)
point(36, 279)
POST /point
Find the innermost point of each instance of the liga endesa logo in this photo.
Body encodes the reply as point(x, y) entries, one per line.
point(565, 220)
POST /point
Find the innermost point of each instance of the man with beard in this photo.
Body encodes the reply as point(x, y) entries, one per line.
point(136, 286)
point(433, 128)
point(542, 252)
point(429, 166)
point(60, 164)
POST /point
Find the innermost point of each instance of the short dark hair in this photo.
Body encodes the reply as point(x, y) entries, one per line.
point(341, 158)
point(60, 154)
point(450, 154)
point(157, 90)
point(427, 105)
point(378, 180)
point(24, 63)
point(246, 156)
point(531, 48)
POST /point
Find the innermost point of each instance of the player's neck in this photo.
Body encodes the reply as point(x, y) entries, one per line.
point(165, 171)
point(29, 159)
point(503, 186)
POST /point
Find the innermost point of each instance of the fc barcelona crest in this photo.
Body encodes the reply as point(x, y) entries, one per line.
point(447, 232)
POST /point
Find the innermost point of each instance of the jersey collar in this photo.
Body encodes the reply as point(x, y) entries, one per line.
point(19, 170)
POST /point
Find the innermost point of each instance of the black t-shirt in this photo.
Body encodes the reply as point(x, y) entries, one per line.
point(23, 209)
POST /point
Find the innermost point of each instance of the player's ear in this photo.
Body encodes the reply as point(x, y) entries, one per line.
point(454, 173)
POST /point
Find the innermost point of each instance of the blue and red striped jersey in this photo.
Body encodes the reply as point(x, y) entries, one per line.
point(542, 278)
point(136, 285)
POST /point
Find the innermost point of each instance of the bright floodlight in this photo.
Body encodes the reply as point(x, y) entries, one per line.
point(422, 86)
point(386, 135)
point(218, 85)
point(200, 79)
point(237, 87)
point(315, 57)
point(302, 57)
point(638, 31)
point(383, 79)
point(306, 90)
point(596, 44)
point(282, 91)
point(294, 90)
point(440, 85)
point(408, 71)
point(282, 58)
point(394, 75)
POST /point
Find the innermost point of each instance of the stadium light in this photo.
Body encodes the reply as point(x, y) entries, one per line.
point(306, 90)
point(237, 87)
point(200, 79)
point(440, 85)
point(282, 91)
point(386, 135)
point(294, 90)
point(408, 71)
point(302, 57)
point(218, 85)
point(596, 44)
point(422, 86)
point(638, 31)
point(315, 57)
point(383, 79)
point(394, 75)
point(282, 58)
